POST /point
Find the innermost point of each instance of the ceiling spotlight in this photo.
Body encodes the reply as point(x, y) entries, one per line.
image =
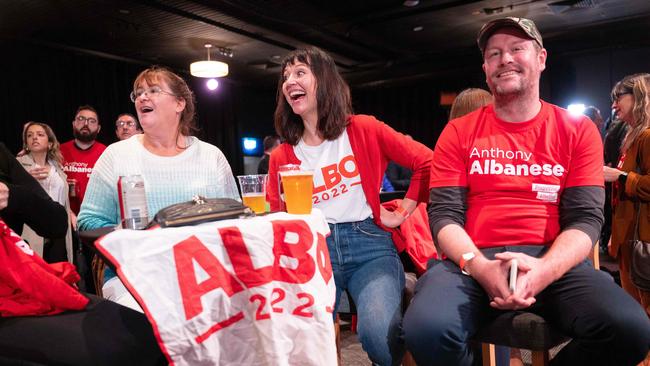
point(411, 3)
point(209, 68)
point(212, 84)
point(576, 109)
point(418, 28)
point(225, 51)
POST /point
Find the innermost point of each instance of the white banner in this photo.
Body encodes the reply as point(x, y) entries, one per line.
point(255, 291)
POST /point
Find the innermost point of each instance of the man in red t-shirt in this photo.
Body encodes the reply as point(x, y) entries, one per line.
point(81, 153)
point(519, 181)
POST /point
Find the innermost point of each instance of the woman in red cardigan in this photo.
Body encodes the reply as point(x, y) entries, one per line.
point(348, 154)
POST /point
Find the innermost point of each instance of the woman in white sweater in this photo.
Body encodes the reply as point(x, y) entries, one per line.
point(174, 165)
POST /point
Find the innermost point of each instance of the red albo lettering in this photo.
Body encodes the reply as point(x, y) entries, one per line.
point(332, 174)
point(292, 239)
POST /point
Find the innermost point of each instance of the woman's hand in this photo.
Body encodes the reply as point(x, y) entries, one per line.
point(39, 172)
point(390, 219)
point(611, 174)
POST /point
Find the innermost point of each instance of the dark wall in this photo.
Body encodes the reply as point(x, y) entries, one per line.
point(588, 76)
point(47, 85)
point(585, 76)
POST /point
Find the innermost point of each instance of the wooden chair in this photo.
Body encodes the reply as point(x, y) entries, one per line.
point(521, 329)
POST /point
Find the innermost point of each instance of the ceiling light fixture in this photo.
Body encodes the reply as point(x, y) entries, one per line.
point(212, 84)
point(209, 68)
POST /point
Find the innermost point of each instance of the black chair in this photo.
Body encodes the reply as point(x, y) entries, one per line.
point(521, 329)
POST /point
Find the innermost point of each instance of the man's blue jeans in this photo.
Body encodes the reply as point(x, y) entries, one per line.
point(366, 264)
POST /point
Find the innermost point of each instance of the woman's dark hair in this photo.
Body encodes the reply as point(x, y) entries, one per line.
point(332, 97)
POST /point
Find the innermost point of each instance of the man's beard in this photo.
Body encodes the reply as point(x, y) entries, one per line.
point(89, 137)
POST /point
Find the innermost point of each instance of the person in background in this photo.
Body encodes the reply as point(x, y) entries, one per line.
point(174, 165)
point(126, 126)
point(468, 101)
point(314, 117)
point(631, 101)
point(102, 333)
point(519, 179)
point(398, 176)
point(594, 115)
point(386, 186)
point(81, 153)
point(612, 151)
point(42, 159)
point(270, 143)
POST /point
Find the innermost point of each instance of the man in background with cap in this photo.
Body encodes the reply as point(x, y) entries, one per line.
point(519, 181)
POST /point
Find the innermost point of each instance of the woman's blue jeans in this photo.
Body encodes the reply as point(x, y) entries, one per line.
point(366, 264)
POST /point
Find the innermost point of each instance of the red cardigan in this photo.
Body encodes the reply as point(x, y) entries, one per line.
point(374, 144)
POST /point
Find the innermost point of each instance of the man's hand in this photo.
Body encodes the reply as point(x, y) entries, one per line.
point(4, 195)
point(532, 278)
point(492, 275)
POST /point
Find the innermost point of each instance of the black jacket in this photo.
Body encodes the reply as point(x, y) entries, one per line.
point(28, 202)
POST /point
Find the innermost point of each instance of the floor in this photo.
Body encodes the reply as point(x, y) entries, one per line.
point(351, 352)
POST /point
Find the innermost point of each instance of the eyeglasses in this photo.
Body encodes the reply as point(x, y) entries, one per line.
point(617, 96)
point(152, 91)
point(127, 124)
point(83, 120)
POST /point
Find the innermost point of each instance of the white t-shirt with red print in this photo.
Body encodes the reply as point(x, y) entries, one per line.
point(337, 183)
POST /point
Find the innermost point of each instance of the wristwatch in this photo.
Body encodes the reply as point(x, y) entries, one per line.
point(622, 178)
point(464, 259)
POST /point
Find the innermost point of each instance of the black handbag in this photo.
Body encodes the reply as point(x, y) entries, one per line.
point(200, 210)
point(640, 258)
point(640, 254)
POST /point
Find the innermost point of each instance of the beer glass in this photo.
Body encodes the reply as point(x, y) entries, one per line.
point(253, 191)
point(298, 188)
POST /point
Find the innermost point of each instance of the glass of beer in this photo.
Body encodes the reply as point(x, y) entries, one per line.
point(298, 188)
point(253, 191)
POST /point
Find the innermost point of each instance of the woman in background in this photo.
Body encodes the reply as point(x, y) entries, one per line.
point(42, 159)
point(173, 164)
point(631, 102)
point(469, 100)
point(314, 117)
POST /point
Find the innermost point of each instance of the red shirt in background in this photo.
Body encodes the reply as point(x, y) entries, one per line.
point(78, 164)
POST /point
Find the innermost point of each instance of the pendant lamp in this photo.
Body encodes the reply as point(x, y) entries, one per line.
point(209, 68)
